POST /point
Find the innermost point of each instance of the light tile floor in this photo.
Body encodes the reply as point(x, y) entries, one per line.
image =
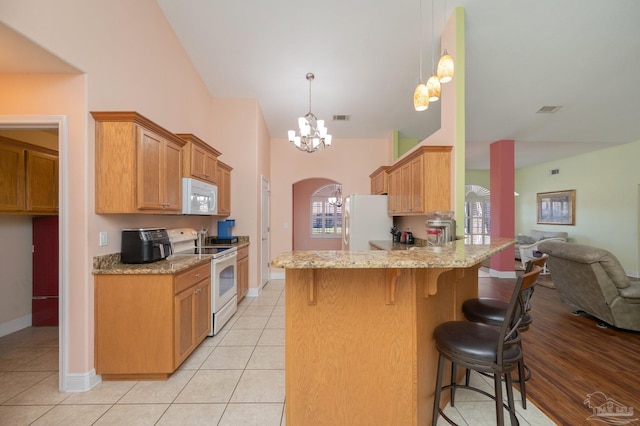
point(234, 378)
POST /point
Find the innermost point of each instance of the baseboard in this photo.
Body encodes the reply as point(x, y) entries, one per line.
point(15, 325)
point(279, 275)
point(81, 382)
point(502, 274)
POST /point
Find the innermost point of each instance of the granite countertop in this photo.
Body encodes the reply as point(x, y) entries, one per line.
point(110, 264)
point(457, 254)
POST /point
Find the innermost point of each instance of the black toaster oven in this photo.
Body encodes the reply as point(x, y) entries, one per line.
point(145, 245)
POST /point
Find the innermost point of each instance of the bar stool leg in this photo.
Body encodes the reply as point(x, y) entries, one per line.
point(497, 383)
point(436, 399)
point(453, 383)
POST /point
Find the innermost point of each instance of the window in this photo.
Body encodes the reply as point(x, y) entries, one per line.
point(477, 213)
point(326, 216)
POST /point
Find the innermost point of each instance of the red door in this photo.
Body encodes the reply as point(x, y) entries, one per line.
point(45, 271)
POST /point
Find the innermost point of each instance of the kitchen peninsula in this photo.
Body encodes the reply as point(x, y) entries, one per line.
point(359, 329)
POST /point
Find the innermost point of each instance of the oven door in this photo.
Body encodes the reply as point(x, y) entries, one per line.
point(224, 279)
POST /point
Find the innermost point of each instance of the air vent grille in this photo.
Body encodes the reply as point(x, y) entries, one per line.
point(548, 109)
point(341, 117)
point(555, 171)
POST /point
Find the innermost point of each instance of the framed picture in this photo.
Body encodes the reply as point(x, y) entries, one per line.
point(557, 208)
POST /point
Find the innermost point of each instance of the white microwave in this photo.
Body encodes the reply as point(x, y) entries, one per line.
point(199, 198)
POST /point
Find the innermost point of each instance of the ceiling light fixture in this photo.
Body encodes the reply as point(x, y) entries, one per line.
point(336, 196)
point(445, 64)
point(313, 134)
point(433, 84)
point(421, 94)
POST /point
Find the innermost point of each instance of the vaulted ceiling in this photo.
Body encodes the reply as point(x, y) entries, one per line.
point(581, 55)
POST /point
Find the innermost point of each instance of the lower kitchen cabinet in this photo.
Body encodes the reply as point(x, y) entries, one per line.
point(243, 272)
point(146, 325)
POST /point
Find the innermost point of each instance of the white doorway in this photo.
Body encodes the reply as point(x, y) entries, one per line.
point(265, 234)
point(58, 122)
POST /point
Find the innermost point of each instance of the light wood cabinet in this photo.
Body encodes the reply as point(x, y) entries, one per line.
point(380, 181)
point(421, 182)
point(28, 179)
point(138, 165)
point(147, 325)
point(224, 189)
point(200, 160)
point(243, 272)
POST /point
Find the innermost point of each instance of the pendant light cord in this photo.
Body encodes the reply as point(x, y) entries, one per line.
point(420, 37)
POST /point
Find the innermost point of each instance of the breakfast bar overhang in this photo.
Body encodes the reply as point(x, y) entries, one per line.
point(359, 347)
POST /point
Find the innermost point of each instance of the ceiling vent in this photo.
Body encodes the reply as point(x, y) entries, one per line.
point(341, 117)
point(548, 109)
point(554, 171)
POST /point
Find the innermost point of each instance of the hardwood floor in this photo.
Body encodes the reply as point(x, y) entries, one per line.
point(570, 357)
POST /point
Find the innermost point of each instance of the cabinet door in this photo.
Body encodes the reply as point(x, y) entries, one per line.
point(11, 178)
point(172, 177)
point(417, 186)
point(202, 302)
point(243, 277)
point(149, 160)
point(224, 189)
point(184, 311)
point(405, 188)
point(198, 156)
point(42, 182)
point(210, 167)
point(395, 192)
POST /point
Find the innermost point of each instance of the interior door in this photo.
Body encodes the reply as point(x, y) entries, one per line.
point(44, 306)
point(264, 231)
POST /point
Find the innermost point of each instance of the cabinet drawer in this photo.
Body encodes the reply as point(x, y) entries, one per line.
point(191, 276)
point(243, 252)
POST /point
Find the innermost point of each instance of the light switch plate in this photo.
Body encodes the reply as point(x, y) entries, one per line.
point(103, 239)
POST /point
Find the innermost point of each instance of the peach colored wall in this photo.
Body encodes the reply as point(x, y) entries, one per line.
point(37, 94)
point(349, 161)
point(133, 61)
point(241, 134)
point(302, 240)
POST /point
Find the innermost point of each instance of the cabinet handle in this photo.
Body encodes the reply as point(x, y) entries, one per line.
point(198, 274)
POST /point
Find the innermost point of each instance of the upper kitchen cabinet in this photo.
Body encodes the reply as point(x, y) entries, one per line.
point(42, 182)
point(28, 179)
point(138, 165)
point(421, 182)
point(199, 159)
point(224, 189)
point(380, 181)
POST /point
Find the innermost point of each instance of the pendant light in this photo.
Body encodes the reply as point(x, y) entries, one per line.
point(421, 94)
point(433, 84)
point(445, 64)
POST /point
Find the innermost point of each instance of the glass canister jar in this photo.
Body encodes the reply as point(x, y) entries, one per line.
point(435, 236)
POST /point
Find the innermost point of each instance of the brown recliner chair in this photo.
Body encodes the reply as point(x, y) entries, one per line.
point(593, 280)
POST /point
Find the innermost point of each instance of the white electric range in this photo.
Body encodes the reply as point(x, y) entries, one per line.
point(224, 282)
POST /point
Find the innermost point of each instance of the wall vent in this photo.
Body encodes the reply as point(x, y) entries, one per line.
point(555, 171)
point(548, 109)
point(341, 117)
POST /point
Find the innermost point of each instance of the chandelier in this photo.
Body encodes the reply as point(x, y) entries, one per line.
point(336, 196)
point(312, 132)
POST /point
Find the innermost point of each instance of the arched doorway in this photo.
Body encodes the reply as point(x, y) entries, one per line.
point(317, 215)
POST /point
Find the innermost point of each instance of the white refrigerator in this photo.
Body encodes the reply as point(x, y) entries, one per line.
point(364, 218)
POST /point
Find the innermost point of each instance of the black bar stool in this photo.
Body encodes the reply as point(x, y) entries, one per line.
point(486, 349)
point(492, 311)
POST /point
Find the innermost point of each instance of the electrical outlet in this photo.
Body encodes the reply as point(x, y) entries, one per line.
point(103, 239)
